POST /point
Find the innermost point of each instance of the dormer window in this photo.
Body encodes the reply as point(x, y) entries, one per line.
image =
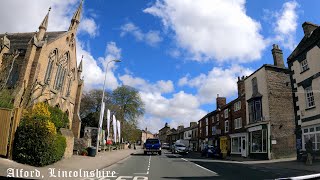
point(304, 65)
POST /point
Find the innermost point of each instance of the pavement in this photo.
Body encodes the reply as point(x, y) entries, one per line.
point(75, 163)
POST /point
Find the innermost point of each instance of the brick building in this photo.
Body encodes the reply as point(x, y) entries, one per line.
point(270, 114)
point(305, 82)
point(163, 133)
point(42, 67)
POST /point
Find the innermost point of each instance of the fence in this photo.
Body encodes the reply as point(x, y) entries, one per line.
point(9, 121)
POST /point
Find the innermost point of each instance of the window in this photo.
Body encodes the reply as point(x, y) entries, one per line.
point(312, 133)
point(206, 121)
point(52, 58)
point(238, 123)
point(309, 97)
point(236, 145)
point(226, 113)
point(68, 87)
point(207, 131)
point(214, 130)
point(217, 117)
point(237, 106)
point(61, 72)
point(255, 111)
point(212, 119)
point(304, 65)
point(254, 85)
point(259, 141)
point(226, 126)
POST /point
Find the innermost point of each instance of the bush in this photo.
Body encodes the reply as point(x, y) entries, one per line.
point(34, 143)
point(6, 99)
point(37, 142)
point(58, 117)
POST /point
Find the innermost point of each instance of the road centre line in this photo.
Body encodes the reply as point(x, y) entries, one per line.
point(200, 166)
point(148, 167)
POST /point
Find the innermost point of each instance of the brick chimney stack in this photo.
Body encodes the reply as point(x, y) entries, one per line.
point(221, 101)
point(241, 88)
point(192, 124)
point(277, 56)
point(308, 27)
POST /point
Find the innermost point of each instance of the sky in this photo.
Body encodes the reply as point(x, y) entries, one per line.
point(179, 54)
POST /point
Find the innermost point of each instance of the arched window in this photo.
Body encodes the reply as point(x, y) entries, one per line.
point(61, 72)
point(52, 57)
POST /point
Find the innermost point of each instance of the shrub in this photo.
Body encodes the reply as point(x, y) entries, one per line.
point(37, 142)
point(34, 143)
point(58, 117)
point(6, 99)
point(60, 147)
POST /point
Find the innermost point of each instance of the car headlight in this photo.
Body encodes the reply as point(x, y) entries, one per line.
point(160, 148)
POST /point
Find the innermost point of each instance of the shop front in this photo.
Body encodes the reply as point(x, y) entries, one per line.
point(259, 146)
point(239, 145)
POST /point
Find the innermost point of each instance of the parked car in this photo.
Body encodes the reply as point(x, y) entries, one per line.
point(180, 148)
point(211, 151)
point(153, 146)
point(165, 146)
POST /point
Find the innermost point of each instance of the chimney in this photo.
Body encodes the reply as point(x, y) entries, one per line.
point(277, 56)
point(221, 101)
point(308, 27)
point(180, 127)
point(192, 124)
point(241, 89)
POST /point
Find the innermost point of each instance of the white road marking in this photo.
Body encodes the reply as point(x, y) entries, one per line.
point(200, 166)
point(311, 176)
point(147, 168)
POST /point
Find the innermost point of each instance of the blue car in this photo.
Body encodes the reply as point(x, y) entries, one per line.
point(152, 146)
point(211, 151)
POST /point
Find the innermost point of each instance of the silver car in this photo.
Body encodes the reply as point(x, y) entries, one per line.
point(180, 148)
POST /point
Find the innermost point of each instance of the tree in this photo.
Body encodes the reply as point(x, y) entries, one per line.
point(124, 102)
point(129, 103)
point(129, 108)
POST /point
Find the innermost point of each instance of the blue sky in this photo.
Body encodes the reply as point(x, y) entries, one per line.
point(178, 53)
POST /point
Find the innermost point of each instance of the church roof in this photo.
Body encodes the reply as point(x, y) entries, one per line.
point(19, 41)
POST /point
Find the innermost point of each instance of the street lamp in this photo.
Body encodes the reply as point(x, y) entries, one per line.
point(102, 104)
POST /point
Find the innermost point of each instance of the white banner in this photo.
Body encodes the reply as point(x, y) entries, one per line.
point(119, 128)
point(101, 115)
point(114, 123)
point(108, 123)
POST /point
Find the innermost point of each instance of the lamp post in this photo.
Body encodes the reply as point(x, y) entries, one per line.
point(102, 104)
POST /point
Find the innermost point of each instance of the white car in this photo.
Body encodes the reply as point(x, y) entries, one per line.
point(180, 148)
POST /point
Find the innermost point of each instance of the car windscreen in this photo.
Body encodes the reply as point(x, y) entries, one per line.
point(152, 141)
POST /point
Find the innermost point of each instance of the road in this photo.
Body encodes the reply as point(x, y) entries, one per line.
point(186, 167)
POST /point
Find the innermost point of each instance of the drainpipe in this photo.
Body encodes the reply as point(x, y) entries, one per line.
point(269, 141)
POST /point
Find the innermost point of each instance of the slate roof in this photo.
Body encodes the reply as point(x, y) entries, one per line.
point(305, 43)
point(21, 40)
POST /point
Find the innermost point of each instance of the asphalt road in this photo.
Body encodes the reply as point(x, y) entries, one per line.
point(186, 167)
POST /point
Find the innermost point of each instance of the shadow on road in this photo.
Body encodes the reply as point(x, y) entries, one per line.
point(194, 177)
point(142, 154)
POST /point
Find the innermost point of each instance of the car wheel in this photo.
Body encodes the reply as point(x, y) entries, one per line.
point(145, 153)
point(159, 152)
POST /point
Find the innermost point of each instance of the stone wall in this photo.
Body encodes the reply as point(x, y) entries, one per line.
point(281, 115)
point(67, 133)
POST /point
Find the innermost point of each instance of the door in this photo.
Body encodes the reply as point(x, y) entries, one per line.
point(243, 147)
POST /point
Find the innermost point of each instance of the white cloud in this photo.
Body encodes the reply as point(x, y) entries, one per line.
point(211, 29)
point(141, 84)
point(217, 81)
point(93, 73)
point(88, 25)
point(152, 38)
point(286, 24)
point(181, 109)
point(28, 16)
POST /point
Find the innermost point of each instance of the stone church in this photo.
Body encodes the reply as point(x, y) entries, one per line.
point(42, 67)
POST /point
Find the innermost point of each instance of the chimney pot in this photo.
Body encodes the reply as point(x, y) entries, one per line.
point(277, 56)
